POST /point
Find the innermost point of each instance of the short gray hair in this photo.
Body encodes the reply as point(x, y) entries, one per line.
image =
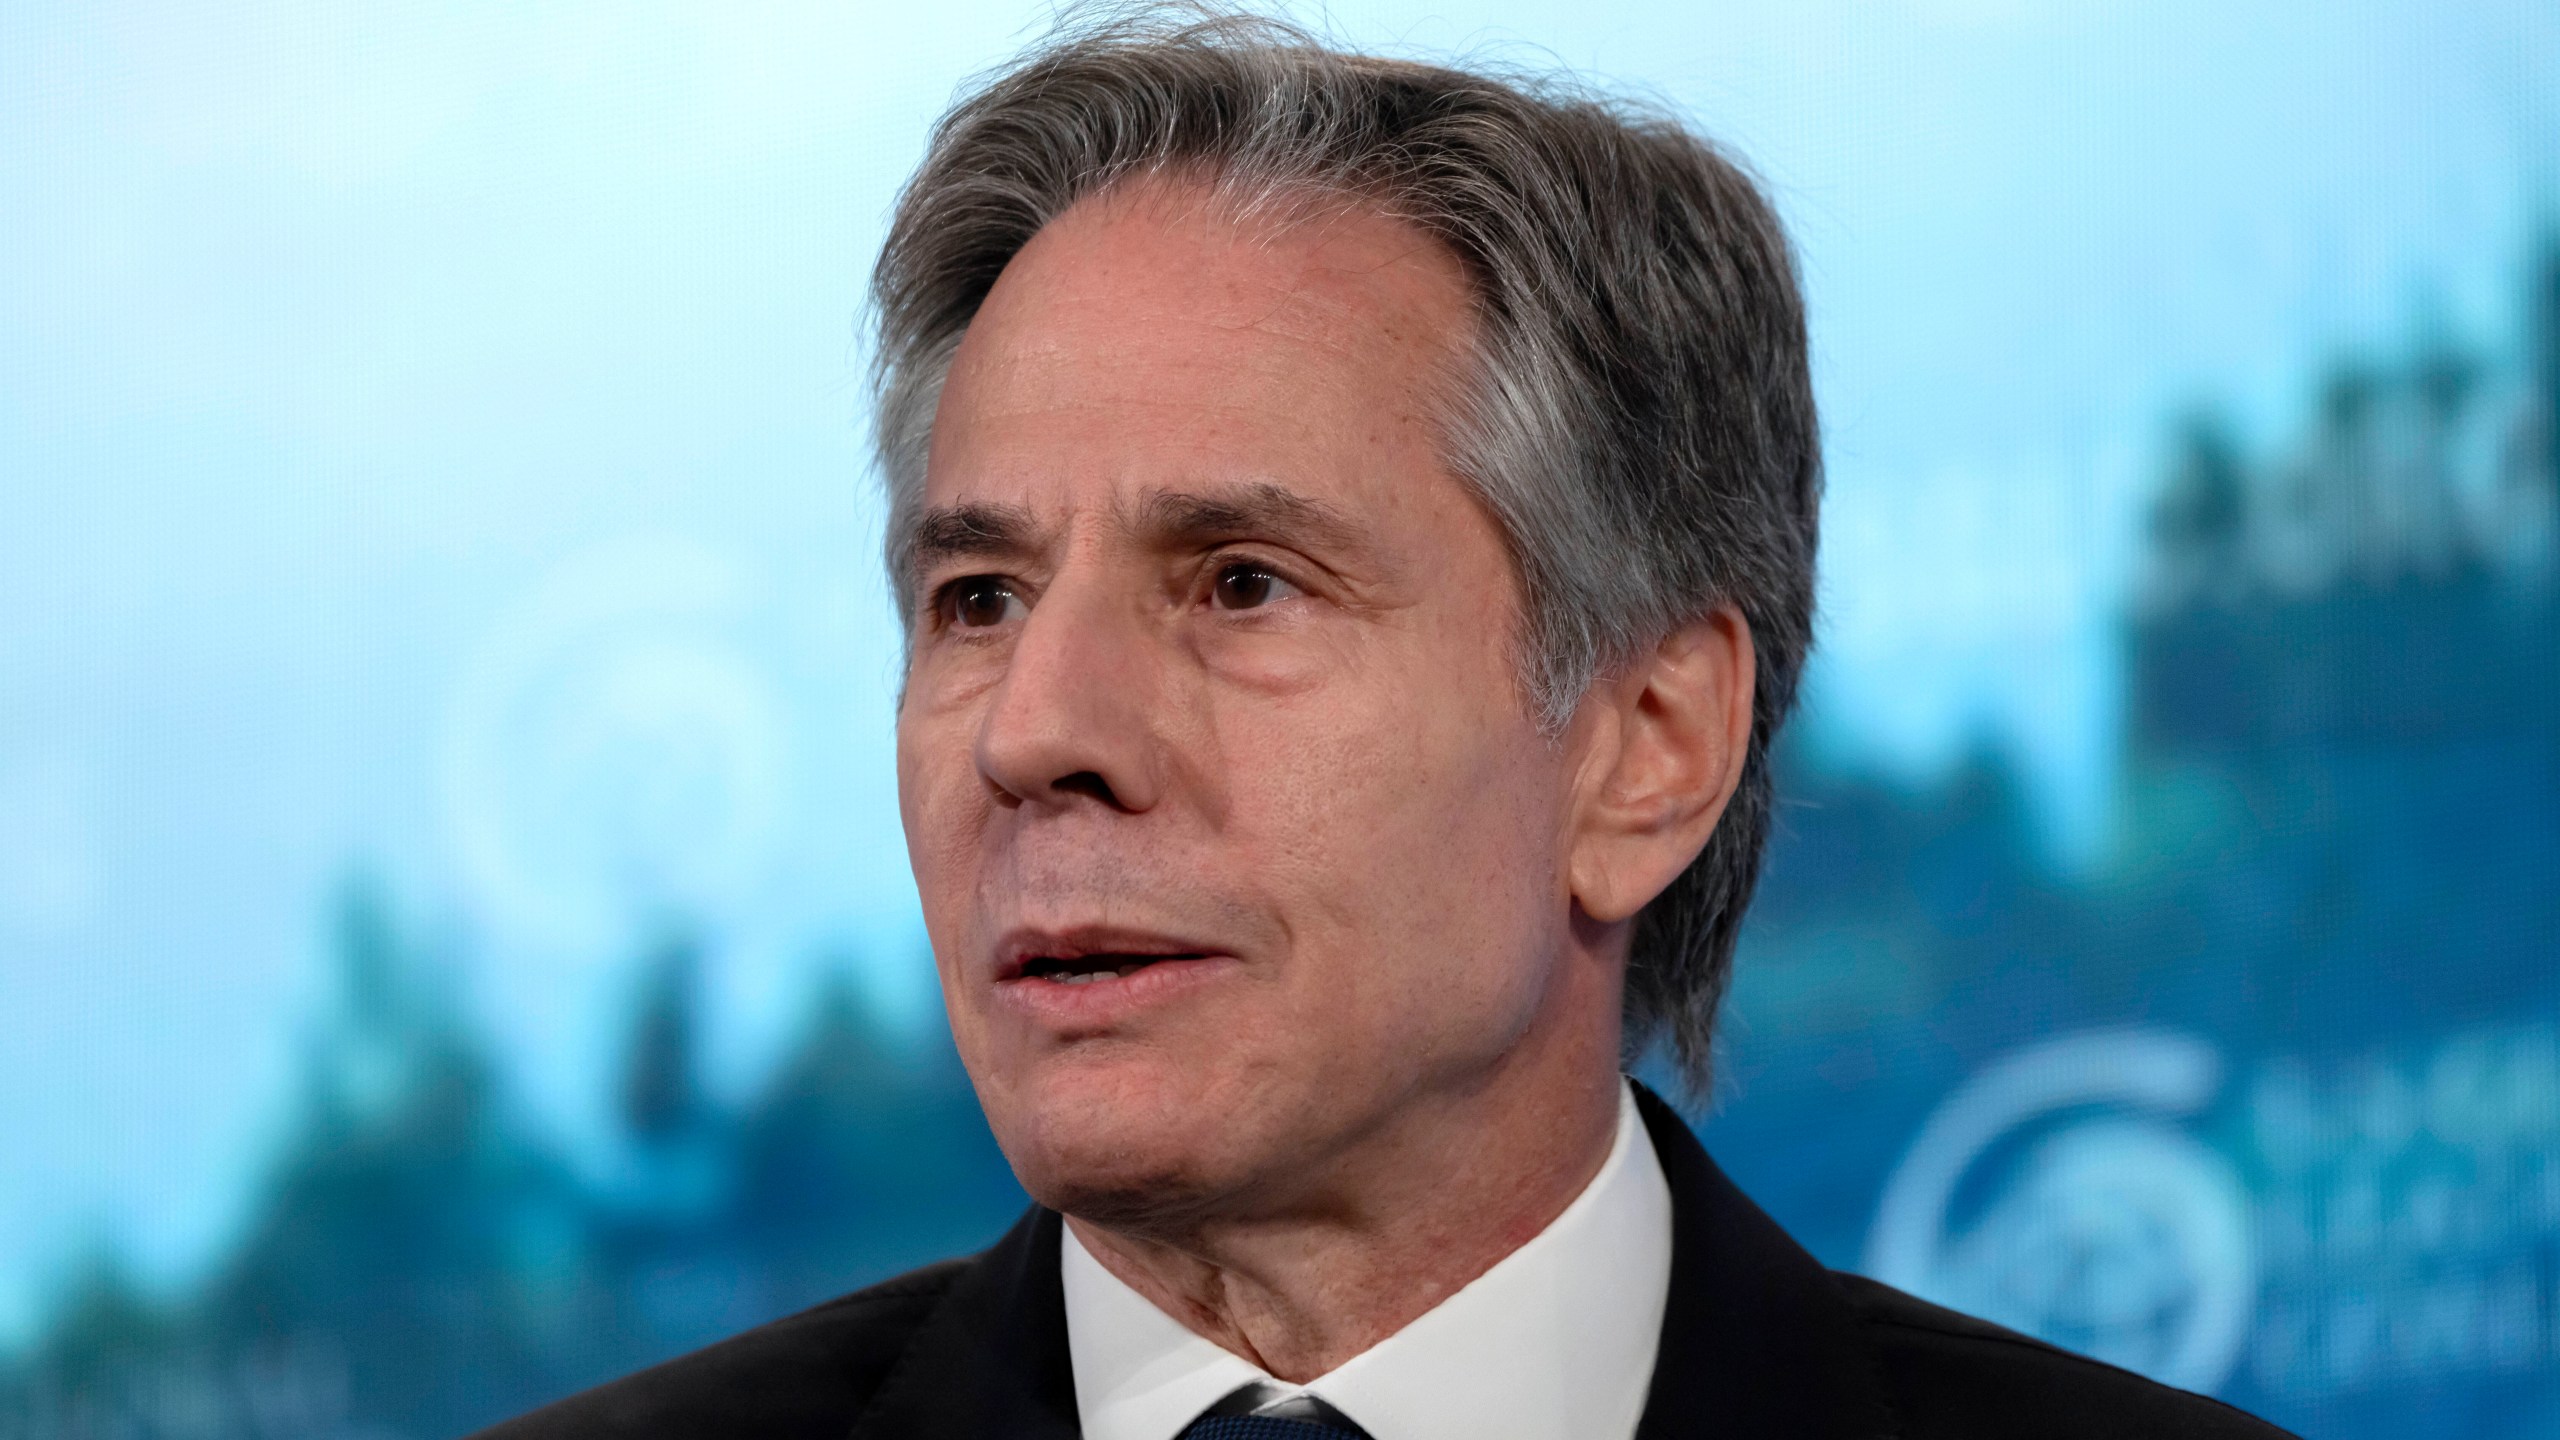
point(1641, 419)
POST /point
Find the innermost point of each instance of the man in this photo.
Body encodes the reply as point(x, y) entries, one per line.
point(1355, 525)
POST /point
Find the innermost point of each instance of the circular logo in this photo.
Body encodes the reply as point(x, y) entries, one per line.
point(2053, 1193)
point(611, 754)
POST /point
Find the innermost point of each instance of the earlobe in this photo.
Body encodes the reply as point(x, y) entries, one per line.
point(1681, 728)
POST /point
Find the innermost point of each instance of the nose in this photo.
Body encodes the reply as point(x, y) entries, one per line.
point(1073, 720)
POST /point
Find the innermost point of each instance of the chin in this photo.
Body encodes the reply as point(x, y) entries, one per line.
point(1124, 1143)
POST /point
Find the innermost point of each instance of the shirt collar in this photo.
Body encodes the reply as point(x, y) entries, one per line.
point(1557, 1339)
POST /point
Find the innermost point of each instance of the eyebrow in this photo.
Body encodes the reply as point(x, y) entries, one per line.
point(1183, 517)
point(1168, 519)
point(950, 532)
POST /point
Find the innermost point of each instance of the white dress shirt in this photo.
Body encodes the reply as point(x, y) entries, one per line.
point(1556, 1340)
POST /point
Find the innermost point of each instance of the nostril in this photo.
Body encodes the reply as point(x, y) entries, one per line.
point(1088, 783)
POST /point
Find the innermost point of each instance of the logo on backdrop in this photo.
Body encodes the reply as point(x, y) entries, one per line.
point(2057, 1192)
point(611, 751)
point(2402, 1221)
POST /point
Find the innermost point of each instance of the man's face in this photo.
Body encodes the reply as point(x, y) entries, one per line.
point(1235, 835)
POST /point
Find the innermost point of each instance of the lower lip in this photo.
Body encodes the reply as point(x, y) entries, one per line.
point(1092, 1003)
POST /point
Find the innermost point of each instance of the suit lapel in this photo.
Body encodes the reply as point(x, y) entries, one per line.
point(991, 1360)
point(1757, 1339)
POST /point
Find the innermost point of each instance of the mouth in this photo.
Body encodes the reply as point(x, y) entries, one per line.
point(1086, 969)
point(1085, 977)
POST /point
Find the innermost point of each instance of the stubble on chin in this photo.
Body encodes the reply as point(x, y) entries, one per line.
point(1156, 1161)
point(1126, 1176)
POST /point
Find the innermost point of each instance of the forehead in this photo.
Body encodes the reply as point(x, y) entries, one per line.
point(1151, 335)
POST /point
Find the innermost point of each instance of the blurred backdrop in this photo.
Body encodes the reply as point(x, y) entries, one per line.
point(455, 940)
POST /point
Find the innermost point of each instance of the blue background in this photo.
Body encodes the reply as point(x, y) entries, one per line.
point(455, 940)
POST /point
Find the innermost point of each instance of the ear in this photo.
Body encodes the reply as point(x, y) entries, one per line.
point(1667, 739)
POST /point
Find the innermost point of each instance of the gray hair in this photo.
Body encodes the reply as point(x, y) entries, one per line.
point(1640, 422)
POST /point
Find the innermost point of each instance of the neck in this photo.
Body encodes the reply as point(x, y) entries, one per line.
point(1431, 1200)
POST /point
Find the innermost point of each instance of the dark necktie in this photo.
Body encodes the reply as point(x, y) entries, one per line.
point(1263, 1411)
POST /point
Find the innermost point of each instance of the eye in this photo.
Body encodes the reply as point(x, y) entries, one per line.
point(1243, 585)
point(977, 602)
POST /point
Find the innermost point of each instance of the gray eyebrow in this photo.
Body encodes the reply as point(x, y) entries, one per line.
point(949, 532)
point(1261, 509)
point(1170, 519)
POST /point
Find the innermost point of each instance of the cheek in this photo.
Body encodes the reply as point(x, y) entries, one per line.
point(941, 820)
point(941, 836)
point(1412, 847)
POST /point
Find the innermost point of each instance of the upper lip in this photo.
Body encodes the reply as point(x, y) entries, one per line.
point(1020, 947)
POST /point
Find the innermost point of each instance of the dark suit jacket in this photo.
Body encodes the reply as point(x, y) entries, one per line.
point(1758, 1341)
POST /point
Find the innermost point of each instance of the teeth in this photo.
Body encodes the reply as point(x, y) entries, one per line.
point(1087, 977)
point(1122, 970)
